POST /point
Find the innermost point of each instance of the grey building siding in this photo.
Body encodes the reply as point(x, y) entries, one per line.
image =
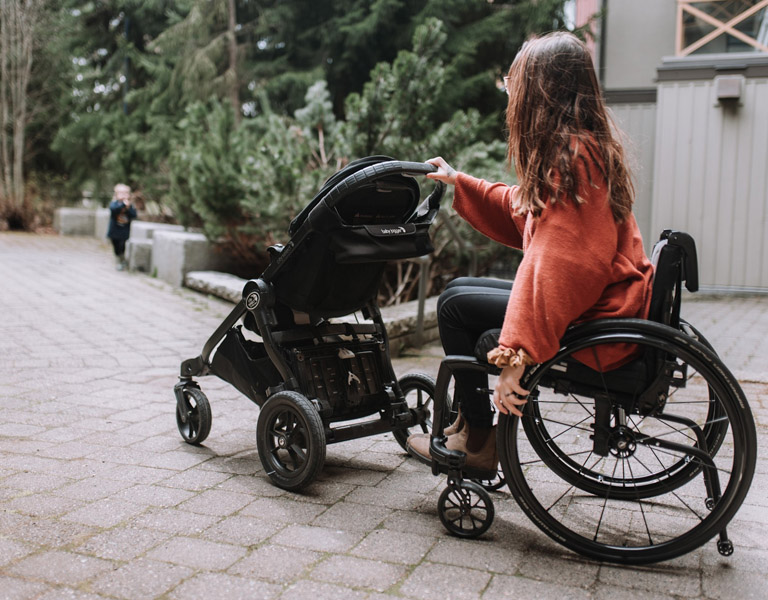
point(699, 165)
point(637, 122)
point(711, 171)
point(636, 34)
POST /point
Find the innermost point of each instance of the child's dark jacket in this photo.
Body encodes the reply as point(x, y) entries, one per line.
point(120, 220)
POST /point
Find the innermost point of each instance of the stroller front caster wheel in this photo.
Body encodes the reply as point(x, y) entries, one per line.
point(465, 509)
point(291, 440)
point(194, 420)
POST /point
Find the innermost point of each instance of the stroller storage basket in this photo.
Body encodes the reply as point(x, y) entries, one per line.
point(245, 365)
point(347, 375)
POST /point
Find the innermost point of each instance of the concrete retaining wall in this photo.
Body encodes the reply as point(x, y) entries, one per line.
point(145, 230)
point(74, 221)
point(95, 222)
point(176, 253)
point(101, 223)
point(139, 255)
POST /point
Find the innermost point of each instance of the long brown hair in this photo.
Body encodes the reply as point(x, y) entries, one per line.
point(556, 116)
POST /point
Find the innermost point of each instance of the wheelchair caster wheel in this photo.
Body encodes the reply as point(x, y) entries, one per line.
point(194, 421)
point(725, 547)
point(465, 509)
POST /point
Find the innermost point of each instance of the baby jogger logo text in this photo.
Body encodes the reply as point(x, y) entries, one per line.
point(390, 230)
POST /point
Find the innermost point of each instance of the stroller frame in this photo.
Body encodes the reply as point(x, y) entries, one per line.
point(391, 417)
point(320, 382)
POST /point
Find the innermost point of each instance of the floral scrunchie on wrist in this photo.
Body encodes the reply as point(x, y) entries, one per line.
point(507, 357)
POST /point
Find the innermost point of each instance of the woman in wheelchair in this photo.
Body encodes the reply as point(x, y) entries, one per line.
point(571, 214)
point(622, 435)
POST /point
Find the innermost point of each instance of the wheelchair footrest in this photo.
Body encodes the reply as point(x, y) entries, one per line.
point(444, 459)
point(454, 462)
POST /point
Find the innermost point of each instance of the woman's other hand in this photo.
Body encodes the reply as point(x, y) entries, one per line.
point(445, 172)
point(507, 394)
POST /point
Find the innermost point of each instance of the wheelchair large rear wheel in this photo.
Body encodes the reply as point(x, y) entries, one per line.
point(557, 408)
point(652, 494)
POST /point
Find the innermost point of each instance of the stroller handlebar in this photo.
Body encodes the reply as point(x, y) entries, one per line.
point(392, 167)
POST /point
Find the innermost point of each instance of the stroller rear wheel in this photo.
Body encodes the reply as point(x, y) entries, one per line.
point(194, 423)
point(291, 440)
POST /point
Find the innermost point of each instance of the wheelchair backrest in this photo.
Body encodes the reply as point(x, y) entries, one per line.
point(674, 260)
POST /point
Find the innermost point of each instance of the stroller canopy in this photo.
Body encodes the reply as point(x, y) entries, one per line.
point(365, 215)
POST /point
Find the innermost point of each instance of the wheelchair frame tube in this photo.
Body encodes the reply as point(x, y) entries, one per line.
point(453, 459)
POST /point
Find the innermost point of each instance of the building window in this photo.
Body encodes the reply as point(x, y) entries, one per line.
point(720, 26)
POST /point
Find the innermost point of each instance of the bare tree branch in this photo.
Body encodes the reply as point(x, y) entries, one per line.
point(19, 24)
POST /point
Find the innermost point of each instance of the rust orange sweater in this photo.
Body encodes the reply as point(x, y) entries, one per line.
point(578, 264)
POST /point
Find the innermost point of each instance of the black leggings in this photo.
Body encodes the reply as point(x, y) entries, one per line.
point(119, 246)
point(467, 308)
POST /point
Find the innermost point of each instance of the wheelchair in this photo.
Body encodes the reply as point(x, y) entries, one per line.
point(635, 464)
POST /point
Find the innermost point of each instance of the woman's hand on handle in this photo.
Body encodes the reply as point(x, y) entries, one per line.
point(445, 172)
point(507, 395)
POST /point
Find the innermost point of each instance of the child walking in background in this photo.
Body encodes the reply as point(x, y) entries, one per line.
point(571, 214)
point(122, 212)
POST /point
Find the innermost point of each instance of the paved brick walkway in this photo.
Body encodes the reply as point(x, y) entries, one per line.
point(99, 498)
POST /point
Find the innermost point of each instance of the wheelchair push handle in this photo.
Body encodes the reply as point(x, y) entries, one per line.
point(690, 263)
point(366, 176)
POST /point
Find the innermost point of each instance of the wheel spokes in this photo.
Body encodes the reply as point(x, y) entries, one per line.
point(288, 446)
point(598, 475)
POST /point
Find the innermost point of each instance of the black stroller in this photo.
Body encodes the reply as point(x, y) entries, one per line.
point(319, 382)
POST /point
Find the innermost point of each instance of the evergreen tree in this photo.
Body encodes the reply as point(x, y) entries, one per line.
point(139, 64)
point(115, 132)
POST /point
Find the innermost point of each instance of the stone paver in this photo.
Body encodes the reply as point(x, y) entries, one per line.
point(101, 499)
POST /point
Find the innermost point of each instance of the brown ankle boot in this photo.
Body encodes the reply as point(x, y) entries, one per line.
point(418, 447)
point(479, 444)
point(418, 443)
point(456, 426)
